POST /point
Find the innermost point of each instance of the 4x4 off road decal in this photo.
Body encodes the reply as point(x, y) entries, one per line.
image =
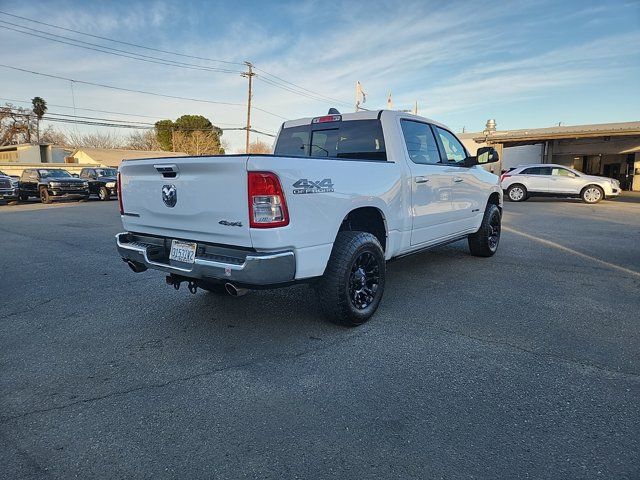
point(309, 186)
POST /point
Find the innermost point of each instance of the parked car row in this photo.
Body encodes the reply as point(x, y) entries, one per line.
point(49, 184)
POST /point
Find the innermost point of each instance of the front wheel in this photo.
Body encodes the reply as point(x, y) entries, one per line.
point(484, 243)
point(103, 193)
point(353, 283)
point(44, 196)
point(592, 194)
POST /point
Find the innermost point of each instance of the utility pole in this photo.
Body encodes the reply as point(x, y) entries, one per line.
point(249, 74)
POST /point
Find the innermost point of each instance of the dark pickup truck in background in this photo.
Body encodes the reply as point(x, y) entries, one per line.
point(102, 181)
point(8, 187)
point(50, 184)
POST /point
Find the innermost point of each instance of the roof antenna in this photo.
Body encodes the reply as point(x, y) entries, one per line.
point(333, 111)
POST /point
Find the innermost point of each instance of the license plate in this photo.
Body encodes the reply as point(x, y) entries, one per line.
point(183, 251)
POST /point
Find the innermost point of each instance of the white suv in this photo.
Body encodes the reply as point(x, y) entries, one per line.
point(553, 180)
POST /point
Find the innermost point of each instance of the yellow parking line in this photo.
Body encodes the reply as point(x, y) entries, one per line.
point(557, 246)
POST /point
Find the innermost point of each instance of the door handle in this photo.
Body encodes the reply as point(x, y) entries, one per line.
point(457, 179)
point(421, 179)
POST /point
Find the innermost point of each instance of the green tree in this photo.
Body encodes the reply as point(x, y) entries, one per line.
point(39, 108)
point(185, 134)
point(164, 131)
point(191, 123)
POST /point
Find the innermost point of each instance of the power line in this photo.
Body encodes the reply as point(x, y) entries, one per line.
point(101, 111)
point(113, 51)
point(268, 81)
point(175, 97)
point(313, 93)
point(120, 41)
point(274, 80)
point(106, 122)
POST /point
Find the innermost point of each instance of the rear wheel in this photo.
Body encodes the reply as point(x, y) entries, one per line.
point(103, 193)
point(44, 195)
point(517, 193)
point(353, 283)
point(484, 243)
point(592, 194)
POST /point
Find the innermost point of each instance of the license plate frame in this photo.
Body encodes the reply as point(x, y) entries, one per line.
point(184, 252)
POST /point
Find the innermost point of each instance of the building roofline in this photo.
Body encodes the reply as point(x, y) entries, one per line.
point(559, 132)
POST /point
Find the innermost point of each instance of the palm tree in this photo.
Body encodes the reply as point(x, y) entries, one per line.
point(39, 108)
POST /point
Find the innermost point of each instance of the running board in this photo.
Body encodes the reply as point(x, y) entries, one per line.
point(429, 247)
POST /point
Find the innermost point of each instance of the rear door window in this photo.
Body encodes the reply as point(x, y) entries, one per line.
point(420, 142)
point(536, 171)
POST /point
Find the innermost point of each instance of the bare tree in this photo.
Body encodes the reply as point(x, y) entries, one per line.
point(95, 140)
point(55, 137)
point(258, 146)
point(197, 143)
point(16, 125)
point(143, 140)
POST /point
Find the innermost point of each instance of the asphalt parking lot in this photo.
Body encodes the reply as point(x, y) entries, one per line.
point(524, 365)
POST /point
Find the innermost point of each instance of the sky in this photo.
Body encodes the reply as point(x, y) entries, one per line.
point(526, 64)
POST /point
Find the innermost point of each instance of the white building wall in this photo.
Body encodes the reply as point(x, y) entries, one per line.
point(521, 155)
point(58, 154)
point(29, 154)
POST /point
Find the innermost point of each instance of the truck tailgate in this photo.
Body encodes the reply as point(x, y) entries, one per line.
point(210, 198)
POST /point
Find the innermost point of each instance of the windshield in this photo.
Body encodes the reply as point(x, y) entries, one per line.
point(355, 139)
point(106, 172)
point(57, 173)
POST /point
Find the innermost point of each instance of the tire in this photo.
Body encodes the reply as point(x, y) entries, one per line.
point(217, 288)
point(103, 193)
point(484, 243)
point(592, 194)
point(517, 193)
point(351, 288)
point(44, 196)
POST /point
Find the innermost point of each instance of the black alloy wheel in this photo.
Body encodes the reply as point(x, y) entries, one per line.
point(364, 280)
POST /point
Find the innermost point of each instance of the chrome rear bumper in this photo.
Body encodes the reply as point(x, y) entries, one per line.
point(211, 262)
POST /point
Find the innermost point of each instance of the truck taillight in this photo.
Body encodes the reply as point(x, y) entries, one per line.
point(267, 205)
point(119, 185)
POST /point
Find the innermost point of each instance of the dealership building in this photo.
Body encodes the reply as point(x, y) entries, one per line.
point(607, 149)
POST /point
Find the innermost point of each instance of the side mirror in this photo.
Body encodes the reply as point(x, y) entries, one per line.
point(75, 175)
point(487, 155)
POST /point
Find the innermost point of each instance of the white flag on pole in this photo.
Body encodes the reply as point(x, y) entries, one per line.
point(361, 96)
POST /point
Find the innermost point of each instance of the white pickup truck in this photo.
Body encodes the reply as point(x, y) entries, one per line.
point(340, 196)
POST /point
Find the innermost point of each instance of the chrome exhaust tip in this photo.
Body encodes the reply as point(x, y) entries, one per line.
point(136, 267)
point(235, 291)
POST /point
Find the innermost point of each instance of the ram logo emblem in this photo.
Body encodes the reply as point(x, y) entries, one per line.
point(169, 195)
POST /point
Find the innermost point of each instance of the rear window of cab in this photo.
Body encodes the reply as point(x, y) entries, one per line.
point(352, 139)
